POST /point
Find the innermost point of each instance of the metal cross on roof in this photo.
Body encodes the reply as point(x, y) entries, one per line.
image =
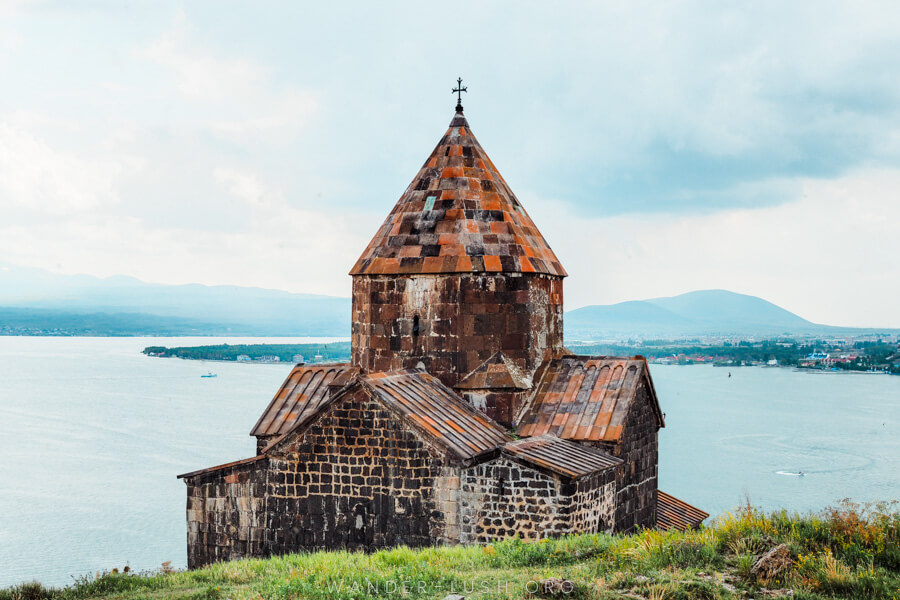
point(458, 90)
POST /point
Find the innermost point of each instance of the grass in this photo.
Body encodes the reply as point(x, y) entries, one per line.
point(850, 551)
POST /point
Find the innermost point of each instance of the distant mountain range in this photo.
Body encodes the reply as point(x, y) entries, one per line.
point(706, 312)
point(34, 301)
point(82, 304)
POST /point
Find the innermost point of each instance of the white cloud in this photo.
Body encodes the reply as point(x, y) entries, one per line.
point(205, 150)
point(830, 255)
point(234, 97)
point(244, 186)
point(37, 177)
point(282, 246)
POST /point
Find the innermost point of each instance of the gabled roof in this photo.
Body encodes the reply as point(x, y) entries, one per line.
point(437, 411)
point(497, 372)
point(585, 398)
point(569, 459)
point(672, 513)
point(458, 216)
point(302, 393)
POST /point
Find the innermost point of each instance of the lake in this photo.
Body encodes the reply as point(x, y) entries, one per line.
point(93, 433)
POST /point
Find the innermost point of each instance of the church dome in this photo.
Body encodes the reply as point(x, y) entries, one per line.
point(458, 216)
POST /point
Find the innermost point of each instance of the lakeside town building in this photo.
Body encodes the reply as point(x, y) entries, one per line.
point(461, 417)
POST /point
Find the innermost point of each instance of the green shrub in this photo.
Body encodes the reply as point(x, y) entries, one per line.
point(26, 591)
point(116, 583)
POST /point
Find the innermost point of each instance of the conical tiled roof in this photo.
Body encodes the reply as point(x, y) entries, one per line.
point(458, 216)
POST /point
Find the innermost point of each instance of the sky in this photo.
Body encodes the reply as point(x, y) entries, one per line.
point(660, 147)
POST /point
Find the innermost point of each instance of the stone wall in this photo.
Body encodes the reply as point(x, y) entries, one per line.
point(226, 514)
point(358, 478)
point(262, 441)
point(452, 323)
point(636, 480)
point(594, 504)
point(501, 499)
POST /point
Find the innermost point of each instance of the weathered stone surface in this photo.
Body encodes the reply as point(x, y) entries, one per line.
point(226, 514)
point(452, 323)
point(501, 498)
point(458, 215)
point(636, 478)
point(499, 405)
point(357, 478)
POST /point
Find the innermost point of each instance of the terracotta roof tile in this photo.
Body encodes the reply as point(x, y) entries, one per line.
point(458, 191)
point(672, 513)
point(585, 398)
point(301, 394)
point(569, 459)
point(437, 410)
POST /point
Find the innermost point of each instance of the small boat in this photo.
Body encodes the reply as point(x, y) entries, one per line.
point(210, 374)
point(791, 473)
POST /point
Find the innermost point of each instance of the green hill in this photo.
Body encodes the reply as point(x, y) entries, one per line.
point(849, 552)
point(700, 313)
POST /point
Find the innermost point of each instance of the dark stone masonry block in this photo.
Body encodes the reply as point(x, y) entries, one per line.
point(463, 319)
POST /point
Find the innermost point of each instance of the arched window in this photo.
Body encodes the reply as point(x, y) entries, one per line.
point(416, 325)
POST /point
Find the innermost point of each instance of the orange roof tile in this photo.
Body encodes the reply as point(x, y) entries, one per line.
point(585, 398)
point(436, 409)
point(569, 459)
point(458, 191)
point(301, 394)
point(672, 513)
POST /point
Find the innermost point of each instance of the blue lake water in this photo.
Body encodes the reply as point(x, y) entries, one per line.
point(92, 434)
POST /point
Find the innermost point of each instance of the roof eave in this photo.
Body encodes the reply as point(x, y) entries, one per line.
point(236, 463)
point(301, 424)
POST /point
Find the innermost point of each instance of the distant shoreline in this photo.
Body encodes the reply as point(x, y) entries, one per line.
point(313, 353)
point(870, 358)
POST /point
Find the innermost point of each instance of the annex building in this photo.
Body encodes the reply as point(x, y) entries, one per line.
point(461, 417)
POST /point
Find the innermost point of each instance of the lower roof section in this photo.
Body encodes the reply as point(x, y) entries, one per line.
point(301, 394)
point(436, 411)
point(236, 463)
point(672, 513)
point(586, 398)
point(568, 459)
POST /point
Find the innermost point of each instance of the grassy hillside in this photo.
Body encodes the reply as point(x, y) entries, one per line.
point(849, 552)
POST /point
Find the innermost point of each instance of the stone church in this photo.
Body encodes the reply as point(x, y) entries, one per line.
point(461, 417)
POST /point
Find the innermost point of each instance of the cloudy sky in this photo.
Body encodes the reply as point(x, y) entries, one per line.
point(661, 147)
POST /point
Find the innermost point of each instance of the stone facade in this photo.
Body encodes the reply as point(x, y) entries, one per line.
point(262, 441)
point(456, 343)
point(227, 513)
point(356, 478)
point(502, 498)
point(452, 323)
point(594, 504)
point(636, 479)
